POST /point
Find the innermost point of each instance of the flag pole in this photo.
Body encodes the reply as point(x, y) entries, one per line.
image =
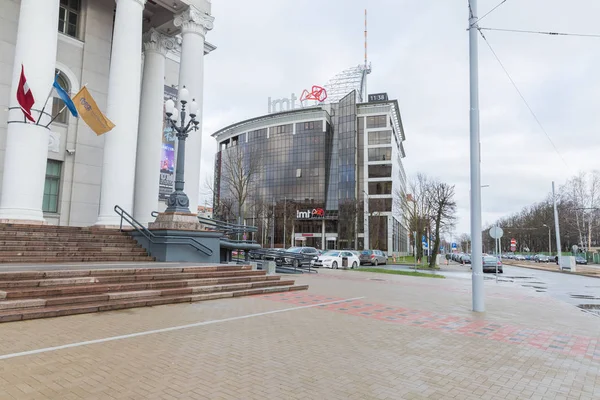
point(46, 103)
point(56, 116)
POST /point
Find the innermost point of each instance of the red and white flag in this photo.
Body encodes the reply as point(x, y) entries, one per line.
point(24, 96)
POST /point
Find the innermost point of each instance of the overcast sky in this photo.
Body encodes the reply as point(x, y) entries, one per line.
point(419, 55)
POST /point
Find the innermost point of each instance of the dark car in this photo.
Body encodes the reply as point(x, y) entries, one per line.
point(490, 263)
point(308, 254)
point(373, 257)
point(580, 260)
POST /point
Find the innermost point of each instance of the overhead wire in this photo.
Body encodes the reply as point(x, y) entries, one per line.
point(523, 98)
point(487, 13)
point(541, 32)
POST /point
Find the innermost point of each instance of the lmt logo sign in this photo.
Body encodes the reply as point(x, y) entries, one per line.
point(317, 93)
point(315, 213)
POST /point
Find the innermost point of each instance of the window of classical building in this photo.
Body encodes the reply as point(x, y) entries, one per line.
point(51, 186)
point(57, 103)
point(68, 17)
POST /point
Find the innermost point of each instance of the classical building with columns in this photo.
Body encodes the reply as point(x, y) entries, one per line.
point(130, 54)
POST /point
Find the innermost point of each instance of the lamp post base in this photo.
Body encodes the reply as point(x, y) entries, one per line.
point(178, 202)
point(181, 221)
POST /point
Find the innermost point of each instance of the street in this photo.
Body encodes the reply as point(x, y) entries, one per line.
point(580, 291)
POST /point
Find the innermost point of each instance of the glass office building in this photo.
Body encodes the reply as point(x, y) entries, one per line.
point(328, 175)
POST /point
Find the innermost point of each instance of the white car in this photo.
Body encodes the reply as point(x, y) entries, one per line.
point(334, 259)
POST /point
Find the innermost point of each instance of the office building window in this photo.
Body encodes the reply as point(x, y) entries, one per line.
point(380, 154)
point(53, 169)
point(380, 137)
point(68, 17)
point(380, 171)
point(377, 121)
point(380, 187)
point(57, 103)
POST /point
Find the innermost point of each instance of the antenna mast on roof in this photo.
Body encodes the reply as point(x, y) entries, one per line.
point(364, 93)
point(365, 38)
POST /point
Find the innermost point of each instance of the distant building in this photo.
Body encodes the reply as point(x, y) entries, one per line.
point(331, 174)
point(205, 212)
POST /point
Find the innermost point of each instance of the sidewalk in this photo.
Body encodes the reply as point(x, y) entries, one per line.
point(353, 335)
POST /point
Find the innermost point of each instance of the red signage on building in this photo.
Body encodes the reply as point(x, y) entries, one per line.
point(317, 93)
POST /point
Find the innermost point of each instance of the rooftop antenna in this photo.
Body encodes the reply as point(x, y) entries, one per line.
point(366, 68)
point(365, 38)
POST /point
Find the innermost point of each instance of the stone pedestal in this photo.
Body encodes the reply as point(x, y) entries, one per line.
point(176, 221)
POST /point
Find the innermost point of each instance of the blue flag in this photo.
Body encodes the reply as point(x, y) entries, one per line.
point(65, 97)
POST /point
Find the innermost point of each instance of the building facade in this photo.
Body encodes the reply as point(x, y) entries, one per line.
point(131, 55)
point(327, 175)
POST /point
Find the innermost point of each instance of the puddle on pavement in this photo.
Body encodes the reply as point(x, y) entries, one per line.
point(376, 279)
point(593, 309)
point(584, 297)
point(535, 287)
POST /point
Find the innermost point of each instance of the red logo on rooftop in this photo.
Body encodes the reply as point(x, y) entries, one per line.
point(317, 93)
point(318, 212)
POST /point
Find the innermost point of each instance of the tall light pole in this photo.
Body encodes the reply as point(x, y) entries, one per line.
point(178, 200)
point(476, 239)
point(549, 240)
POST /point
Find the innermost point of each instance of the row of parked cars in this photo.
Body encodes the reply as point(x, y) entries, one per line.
point(311, 256)
point(490, 263)
point(540, 258)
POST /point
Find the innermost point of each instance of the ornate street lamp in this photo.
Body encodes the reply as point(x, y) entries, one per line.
point(178, 200)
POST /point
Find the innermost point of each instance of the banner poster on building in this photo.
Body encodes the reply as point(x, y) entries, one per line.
point(167, 159)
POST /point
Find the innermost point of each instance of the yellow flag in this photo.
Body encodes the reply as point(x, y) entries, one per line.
point(91, 114)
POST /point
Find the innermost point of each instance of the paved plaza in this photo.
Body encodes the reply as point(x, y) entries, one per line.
point(352, 335)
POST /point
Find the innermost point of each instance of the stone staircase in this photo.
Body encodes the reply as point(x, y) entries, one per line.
point(55, 244)
point(40, 294)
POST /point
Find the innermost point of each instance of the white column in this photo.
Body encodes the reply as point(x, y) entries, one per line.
point(147, 168)
point(120, 144)
point(194, 25)
point(26, 143)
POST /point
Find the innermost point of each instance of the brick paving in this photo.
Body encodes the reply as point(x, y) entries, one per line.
point(408, 338)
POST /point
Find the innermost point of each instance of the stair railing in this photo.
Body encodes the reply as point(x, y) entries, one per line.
point(152, 238)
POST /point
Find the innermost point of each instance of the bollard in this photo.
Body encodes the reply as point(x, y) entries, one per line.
point(269, 266)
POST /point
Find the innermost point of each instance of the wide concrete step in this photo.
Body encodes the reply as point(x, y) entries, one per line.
point(22, 241)
point(54, 228)
point(120, 278)
point(95, 288)
point(99, 252)
point(74, 273)
point(66, 246)
point(48, 301)
point(83, 258)
point(64, 235)
point(119, 304)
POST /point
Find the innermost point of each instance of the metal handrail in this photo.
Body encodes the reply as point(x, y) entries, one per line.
point(182, 240)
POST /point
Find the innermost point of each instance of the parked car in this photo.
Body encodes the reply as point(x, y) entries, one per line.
point(519, 257)
point(542, 258)
point(309, 254)
point(466, 259)
point(373, 257)
point(334, 259)
point(580, 260)
point(490, 263)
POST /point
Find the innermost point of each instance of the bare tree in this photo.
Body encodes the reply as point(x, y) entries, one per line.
point(240, 168)
point(443, 212)
point(416, 208)
point(583, 191)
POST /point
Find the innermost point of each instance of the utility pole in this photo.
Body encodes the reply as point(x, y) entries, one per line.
point(556, 229)
point(476, 239)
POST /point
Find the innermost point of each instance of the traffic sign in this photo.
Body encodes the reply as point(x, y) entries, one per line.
point(513, 244)
point(496, 232)
point(441, 248)
point(425, 246)
point(454, 247)
point(423, 239)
